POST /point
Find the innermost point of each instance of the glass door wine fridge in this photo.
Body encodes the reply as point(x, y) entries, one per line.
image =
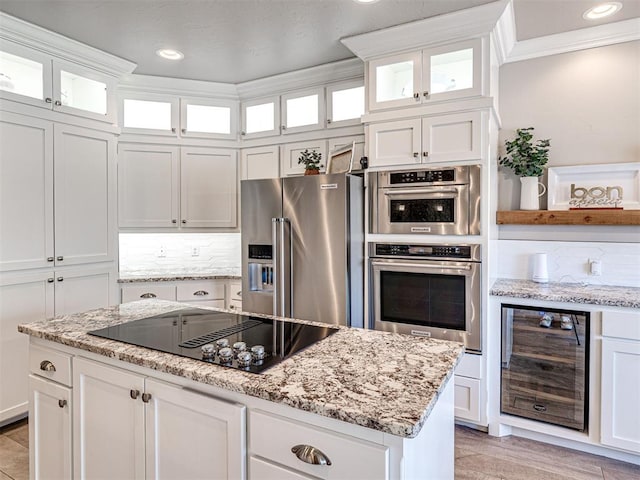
point(544, 373)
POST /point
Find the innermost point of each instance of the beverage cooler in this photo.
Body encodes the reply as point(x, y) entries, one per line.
point(545, 358)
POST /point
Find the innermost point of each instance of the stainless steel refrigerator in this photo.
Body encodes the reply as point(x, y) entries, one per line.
point(303, 247)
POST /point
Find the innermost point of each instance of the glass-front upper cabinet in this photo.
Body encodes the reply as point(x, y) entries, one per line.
point(208, 119)
point(345, 103)
point(303, 111)
point(261, 117)
point(33, 78)
point(435, 74)
point(149, 114)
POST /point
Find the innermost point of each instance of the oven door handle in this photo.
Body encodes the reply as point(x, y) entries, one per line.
point(422, 265)
point(418, 191)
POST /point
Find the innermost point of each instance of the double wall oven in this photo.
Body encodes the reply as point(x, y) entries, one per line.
point(427, 290)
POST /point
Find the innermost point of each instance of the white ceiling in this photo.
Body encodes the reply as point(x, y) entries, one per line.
point(234, 41)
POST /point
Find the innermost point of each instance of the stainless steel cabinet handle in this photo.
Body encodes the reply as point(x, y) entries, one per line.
point(239, 293)
point(60, 279)
point(174, 221)
point(57, 103)
point(328, 120)
point(49, 259)
point(416, 96)
point(50, 280)
point(60, 258)
point(415, 191)
point(184, 221)
point(173, 130)
point(416, 154)
point(309, 454)
point(425, 154)
point(201, 293)
point(48, 100)
point(47, 366)
point(148, 295)
point(146, 397)
point(62, 403)
point(134, 394)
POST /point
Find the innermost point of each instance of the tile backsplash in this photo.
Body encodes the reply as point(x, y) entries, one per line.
point(569, 261)
point(176, 253)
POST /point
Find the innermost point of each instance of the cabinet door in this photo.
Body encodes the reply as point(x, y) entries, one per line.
point(303, 111)
point(49, 429)
point(394, 143)
point(26, 75)
point(78, 290)
point(83, 91)
point(84, 197)
point(191, 435)
point(395, 81)
point(261, 162)
point(345, 103)
point(148, 186)
point(262, 470)
point(452, 71)
point(452, 137)
point(149, 114)
point(108, 422)
point(620, 422)
point(208, 188)
point(26, 192)
point(261, 117)
point(467, 398)
point(291, 152)
point(24, 298)
point(208, 118)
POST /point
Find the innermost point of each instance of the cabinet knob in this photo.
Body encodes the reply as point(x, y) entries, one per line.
point(57, 103)
point(184, 130)
point(134, 394)
point(174, 221)
point(60, 279)
point(48, 100)
point(243, 133)
point(311, 455)
point(201, 293)
point(50, 280)
point(425, 154)
point(416, 154)
point(146, 397)
point(49, 259)
point(173, 129)
point(47, 366)
point(239, 293)
point(328, 120)
point(416, 96)
point(60, 258)
point(425, 94)
point(284, 127)
point(148, 295)
point(184, 221)
point(232, 307)
point(62, 403)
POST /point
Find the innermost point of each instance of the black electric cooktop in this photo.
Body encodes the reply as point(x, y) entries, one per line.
point(199, 334)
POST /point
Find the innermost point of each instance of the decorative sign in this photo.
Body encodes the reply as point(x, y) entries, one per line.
point(614, 185)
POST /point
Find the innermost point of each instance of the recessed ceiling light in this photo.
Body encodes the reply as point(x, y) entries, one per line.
point(365, 1)
point(602, 10)
point(170, 54)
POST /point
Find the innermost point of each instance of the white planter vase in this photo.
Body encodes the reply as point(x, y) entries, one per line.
point(530, 193)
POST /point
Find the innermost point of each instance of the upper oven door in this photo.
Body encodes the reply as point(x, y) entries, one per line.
point(438, 298)
point(439, 210)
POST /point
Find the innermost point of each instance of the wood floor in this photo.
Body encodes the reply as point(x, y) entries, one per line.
point(478, 457)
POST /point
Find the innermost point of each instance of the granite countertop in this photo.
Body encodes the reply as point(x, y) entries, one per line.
point(134, 276)
point(610, 295)
point(383, 381)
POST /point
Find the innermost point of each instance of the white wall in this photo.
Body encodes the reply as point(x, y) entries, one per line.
point(586, 102)
point(219, 253)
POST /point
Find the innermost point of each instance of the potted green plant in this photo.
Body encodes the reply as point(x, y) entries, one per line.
point(527, 160)
point(311, 161)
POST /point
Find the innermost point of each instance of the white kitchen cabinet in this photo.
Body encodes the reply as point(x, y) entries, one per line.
point(44, 81)
point(149, 114)
point(131, 292)
point(177, 188)
point(303, 111)
point(260, 162)
point(467, 399)
point(205, 118)
point(261, 117)
point(176, 433)
point(345, 103)
point(264, 470)
point(58, 194)
point(148, 185)
point(205, 292)
point(438, 138)
point(234, 295)
point(620, 373)
point(434, 74)
point(291, 152)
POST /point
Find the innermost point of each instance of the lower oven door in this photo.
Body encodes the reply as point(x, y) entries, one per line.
point(439, 210)
point(439, 299)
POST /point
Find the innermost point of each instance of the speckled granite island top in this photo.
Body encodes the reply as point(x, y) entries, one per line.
point(164, 276)
point(383, 381)
point(610, 295)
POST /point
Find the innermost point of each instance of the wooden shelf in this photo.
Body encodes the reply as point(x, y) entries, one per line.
point(568, 217)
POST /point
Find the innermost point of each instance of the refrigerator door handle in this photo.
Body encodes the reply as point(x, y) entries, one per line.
point(277, 258)
point(281, 267)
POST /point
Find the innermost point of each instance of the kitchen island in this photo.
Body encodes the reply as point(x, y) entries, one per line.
point(358, 404)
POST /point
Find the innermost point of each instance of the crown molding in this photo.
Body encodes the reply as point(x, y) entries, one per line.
point(18, 31)
point(503, 36)
point(176, 86)
point(308, 77)
point(450, 27)
point(582, 39)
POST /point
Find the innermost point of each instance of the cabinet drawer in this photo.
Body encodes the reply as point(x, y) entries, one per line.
point(151, 290)
point(272, 437)
point(235, 290)
point(261, 470)
point(621, 325)
point(467, 398)
point(50, 364)
point(197, 291)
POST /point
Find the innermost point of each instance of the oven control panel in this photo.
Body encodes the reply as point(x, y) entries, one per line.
point(422, 176)
point(466, 252)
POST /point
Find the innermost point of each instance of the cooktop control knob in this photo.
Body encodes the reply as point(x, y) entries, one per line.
point(225, 354)
point(222, 343)
point(239, 347)
point(208, 351)
point(244, 359)
point(257, 352)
